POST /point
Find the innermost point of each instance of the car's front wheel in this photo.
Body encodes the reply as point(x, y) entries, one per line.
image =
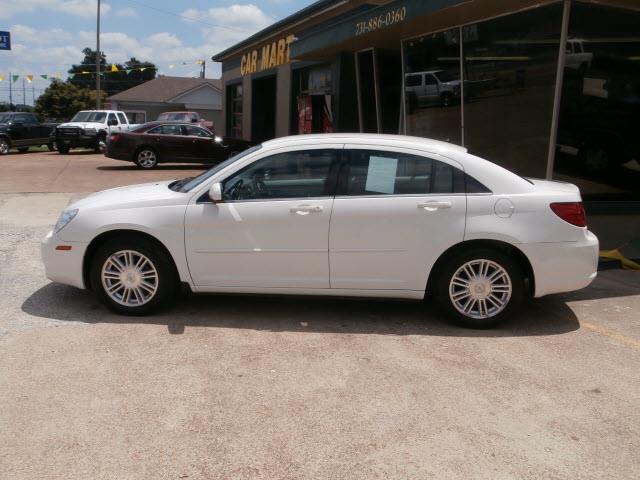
point(480, 288)
point(147, 158)
point(4, 146)
point(132, 276)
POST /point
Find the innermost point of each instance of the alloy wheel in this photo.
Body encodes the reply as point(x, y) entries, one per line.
point(129, 278)
point(480, 289)
point(147, 159)
point(4, 147)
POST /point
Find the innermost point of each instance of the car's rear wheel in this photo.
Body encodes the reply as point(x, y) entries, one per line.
point(63, 149)
point(480, 288)
point(147, 158)
point(4, 146)
point(132, 276)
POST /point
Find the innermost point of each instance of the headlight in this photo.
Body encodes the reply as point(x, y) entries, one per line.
point(218, 139)
point(64, 219)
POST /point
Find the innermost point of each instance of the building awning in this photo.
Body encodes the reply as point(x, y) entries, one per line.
point(386, 25)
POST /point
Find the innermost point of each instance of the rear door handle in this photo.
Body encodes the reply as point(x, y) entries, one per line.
point(434, 205)
point(306, 209)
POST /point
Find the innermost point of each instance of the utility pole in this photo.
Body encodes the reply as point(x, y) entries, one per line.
point(10, 91)
point(24, 93)
point(98, 59)
point(33, 94)
point(204, 66)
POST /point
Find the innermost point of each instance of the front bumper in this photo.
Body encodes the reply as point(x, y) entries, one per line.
point(63, 266)
point(564, 266)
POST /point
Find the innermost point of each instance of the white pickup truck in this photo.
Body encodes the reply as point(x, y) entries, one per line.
point(90, 129)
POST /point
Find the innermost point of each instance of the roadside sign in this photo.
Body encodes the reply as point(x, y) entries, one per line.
point(5, 41)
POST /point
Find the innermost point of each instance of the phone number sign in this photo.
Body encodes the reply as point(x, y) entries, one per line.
point(5, 41)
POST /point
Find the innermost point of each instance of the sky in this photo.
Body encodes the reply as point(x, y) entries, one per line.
point(48, 36)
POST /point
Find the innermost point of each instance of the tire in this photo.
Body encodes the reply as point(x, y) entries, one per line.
point(146, 158)
point(446, 99)
point(101, 144)
point(63, 149)
point(150, 286)
point(501, 297)
point(5, 146)
point(51, 147)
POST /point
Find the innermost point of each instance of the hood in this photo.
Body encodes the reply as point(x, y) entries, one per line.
point(82, 124)
point(133, 196)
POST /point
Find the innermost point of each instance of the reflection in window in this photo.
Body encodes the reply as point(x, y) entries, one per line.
point(510, 72)
point(598, 140)
point(432, 86)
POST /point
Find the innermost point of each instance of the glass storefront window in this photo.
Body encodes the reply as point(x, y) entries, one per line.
point(510, 73)
point(234, 111)
point(598, 141)
point(432, 86)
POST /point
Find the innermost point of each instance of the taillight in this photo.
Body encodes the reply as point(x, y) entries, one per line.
point(114, 137)
point(571, 212)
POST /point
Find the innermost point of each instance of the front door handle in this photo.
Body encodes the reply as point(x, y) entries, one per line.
point(306, 209)
point(434, 205)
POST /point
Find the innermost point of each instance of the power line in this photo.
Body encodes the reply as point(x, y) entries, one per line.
point(217, 25)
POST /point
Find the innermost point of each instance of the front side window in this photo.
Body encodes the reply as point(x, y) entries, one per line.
point(373, 172)
point(414, 80)
point(298, 174)
point(112, 118)
point(166, 130)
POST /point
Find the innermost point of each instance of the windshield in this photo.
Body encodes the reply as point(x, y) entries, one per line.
point(97, 117)
point(194, 182)
point(445, 76)
point(173, 117)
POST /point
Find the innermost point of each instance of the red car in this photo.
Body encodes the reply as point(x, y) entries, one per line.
point(162, 142)
point(186, 117)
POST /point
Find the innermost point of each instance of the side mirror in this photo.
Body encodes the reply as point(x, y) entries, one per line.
point(215, 192)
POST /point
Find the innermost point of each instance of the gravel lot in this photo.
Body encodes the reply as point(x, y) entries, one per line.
point(266, 387)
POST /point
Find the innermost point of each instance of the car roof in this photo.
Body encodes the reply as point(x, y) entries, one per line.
point(373, 138)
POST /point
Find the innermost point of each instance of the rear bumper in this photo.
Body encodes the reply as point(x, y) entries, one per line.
point(565, 266)
point(63, 266)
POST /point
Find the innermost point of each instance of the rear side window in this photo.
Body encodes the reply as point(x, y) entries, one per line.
point(122, 118)
point(372, 172)
point(166, 130)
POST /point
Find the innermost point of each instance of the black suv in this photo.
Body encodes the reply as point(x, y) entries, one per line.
point(22, 130)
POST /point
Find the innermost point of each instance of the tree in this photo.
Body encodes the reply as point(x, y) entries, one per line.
point(111, 82)
point(61, 100)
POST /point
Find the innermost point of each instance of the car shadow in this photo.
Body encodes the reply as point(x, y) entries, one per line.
point(547, 316)
point(190, 166)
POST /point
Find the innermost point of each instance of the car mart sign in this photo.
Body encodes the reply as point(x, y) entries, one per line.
point(270, 55)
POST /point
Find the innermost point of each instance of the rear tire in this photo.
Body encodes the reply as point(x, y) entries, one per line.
point(146, 158)
point(63, 150)
point(480, 288)
point(132, 276)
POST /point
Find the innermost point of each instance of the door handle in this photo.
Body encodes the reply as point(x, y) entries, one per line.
point(306, 209)
point(434, 205)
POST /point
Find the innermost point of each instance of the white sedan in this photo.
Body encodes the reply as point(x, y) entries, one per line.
point(338, 214)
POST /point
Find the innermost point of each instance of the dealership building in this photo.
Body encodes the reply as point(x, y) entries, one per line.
point(545, 88)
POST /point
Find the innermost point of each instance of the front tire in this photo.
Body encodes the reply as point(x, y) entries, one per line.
point(132, 276)
point(480, 288)
point(4, 146)
point(63, 149)
point(147, 158)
